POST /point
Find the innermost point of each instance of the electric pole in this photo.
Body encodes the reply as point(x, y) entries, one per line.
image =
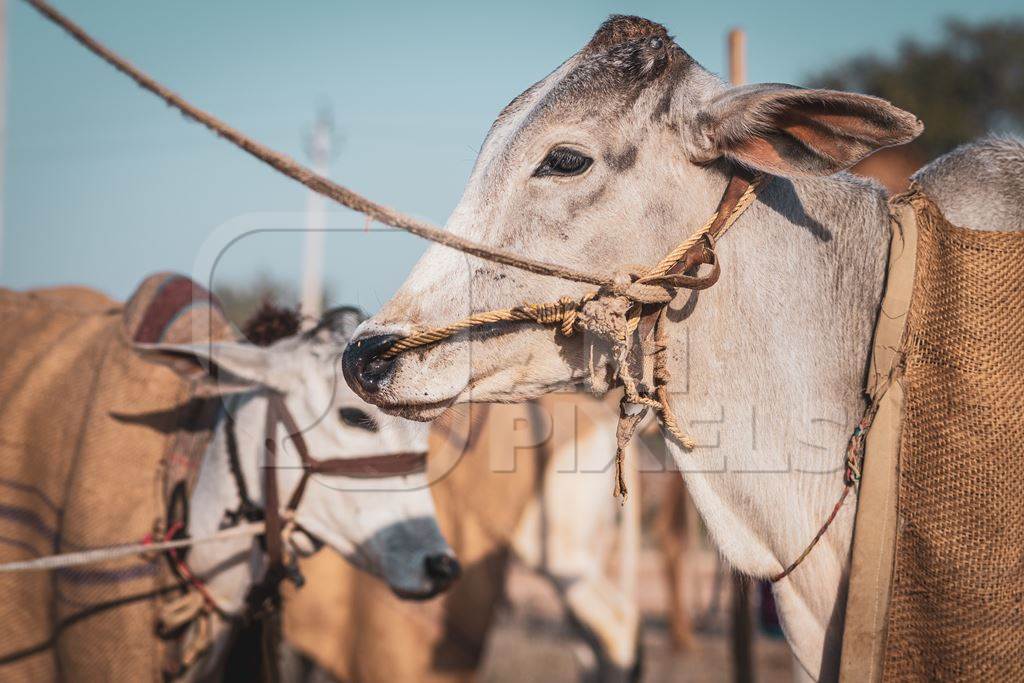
point(319, 147)
point(742, 621)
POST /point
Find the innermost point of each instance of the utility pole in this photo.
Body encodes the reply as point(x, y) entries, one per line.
point(742, 623)
point(737, 56)
point(319, 147)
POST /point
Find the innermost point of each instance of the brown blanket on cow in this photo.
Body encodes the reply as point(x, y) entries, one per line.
point(937, 585)
point(957, 609)
point(88, 430)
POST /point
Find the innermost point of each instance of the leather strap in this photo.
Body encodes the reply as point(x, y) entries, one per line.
point(700, 253)
point(684, 273)
point(366, 467)
point(271, 501)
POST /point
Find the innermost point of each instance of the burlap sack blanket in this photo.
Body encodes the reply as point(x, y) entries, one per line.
point(86, 430)
point(351, 624)
point(937, 584)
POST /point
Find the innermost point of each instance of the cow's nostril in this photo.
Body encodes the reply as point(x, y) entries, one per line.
point(442, 569)
point(362, 363)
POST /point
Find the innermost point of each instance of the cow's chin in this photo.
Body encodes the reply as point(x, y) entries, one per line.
point(502, 386)
point(419, 412)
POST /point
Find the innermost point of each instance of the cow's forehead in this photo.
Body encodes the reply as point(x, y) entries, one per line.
point(626, 57)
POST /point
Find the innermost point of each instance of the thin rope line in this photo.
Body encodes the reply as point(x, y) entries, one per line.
point(304, 175)
point(116, 551)
point(817, 537)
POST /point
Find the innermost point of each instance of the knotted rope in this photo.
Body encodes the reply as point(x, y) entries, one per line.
point(613, 313)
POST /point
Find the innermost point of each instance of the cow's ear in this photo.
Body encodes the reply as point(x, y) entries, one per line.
point(789, 131)
point(338, 325)
point(218, 367)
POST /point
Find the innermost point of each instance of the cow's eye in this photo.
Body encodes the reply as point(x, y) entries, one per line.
point(354, 417)
point(563, 161)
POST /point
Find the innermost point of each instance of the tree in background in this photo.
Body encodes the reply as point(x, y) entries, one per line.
point(241, 300)
point(969, 83)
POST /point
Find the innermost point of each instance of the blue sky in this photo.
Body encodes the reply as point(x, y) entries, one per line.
point(104, 184)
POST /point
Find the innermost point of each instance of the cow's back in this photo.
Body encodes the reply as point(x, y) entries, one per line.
point(979, 185)
point(84, 428)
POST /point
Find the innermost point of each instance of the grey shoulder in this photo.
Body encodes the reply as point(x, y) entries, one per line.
point(979, 185)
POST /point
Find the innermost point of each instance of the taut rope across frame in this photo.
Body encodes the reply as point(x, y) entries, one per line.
point(95, 555)
point(628, 309)
point(365, 467)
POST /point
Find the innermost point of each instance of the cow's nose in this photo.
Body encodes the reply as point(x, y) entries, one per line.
point(362, 363)
point(442, 570)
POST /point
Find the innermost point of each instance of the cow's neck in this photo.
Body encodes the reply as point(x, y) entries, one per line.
point(768, 370)
point(228, 568)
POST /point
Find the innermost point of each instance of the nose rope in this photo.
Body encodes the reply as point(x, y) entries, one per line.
point(614, 313)
point(653, 287)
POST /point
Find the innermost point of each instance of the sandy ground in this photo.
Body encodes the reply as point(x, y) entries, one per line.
point(533, 642)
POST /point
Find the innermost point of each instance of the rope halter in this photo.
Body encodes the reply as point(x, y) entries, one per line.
point(627, 312)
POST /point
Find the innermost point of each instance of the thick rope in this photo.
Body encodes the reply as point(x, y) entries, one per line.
point(315, 182)
point(563, 313)
point(652, 286)
point(673, 257)
point(113, 552)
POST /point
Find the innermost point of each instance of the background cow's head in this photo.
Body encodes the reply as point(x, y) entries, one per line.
point(384, 525)
point(609, 161)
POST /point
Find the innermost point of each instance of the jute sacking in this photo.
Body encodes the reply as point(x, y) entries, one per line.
point(957, 606)
point(937, 577)
point(90, 441)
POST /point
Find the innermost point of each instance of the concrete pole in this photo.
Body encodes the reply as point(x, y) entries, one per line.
point(742, 624)
point(737, 56)
point(320, 142)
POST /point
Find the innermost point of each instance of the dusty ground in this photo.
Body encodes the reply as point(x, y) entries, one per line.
point(532, 641)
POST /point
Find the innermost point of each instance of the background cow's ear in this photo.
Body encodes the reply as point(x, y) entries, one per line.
point(218, 367)
point(789, 131)
point(338, 325)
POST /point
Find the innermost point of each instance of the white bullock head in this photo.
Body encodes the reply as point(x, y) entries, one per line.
point(384, 525)
point(606, 163)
